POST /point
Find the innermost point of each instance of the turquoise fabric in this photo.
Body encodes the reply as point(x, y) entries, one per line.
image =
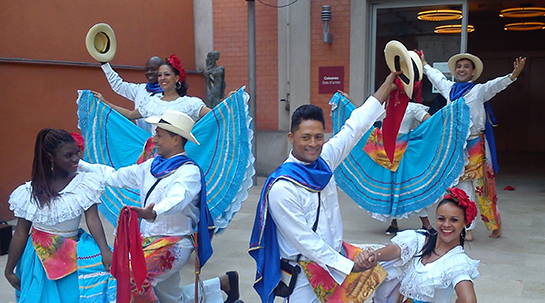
point(89, 284)
point(224, 154)
point(433, 161)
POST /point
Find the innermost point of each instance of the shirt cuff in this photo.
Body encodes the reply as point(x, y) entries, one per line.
point(107, 68)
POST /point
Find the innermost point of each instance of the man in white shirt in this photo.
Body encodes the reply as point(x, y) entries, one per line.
point(136, 92)
point(480, 187)
point(173, 200)
point(293, 201)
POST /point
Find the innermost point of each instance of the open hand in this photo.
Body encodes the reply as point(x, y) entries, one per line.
point(518, 66)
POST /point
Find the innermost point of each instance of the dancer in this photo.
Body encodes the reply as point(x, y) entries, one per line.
point(415, 114)
point(478, 180)
point(171, 77)
point(57, 254)
point(429, 266)
point(172, 205)
point(428, 157)
point(299, 205)
point(136, 92)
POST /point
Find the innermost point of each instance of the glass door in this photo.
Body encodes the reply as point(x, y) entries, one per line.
point(432, 26)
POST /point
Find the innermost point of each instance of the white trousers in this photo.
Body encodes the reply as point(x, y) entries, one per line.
point(302, 292)
point(167, 286)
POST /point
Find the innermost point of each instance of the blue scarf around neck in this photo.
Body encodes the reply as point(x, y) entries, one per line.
point(154, 88)
point(263, 242)
point(161, 168)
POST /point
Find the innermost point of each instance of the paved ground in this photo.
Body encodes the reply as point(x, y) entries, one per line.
point(512, 267)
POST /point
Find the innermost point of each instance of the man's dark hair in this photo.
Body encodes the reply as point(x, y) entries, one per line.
point(172, 134)
point(306, 112)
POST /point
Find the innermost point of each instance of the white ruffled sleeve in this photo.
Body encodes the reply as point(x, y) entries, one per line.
point(80, 194)
point(425, 283)
point(419, 110)
point(410, 242)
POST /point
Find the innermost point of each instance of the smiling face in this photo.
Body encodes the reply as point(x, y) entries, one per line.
point(152, 68)
point(167, 78)
point(167, 144)
point(307, 140)
point(464, 70)
point(65, 159)
point(450, 222)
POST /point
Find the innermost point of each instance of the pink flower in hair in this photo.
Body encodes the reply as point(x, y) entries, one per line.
point(177, 64)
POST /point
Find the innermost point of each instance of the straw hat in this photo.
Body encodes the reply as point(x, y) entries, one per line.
point(417, 66)
point(100, 42)
point(176, 122)
point(478, 64)
point(398, 59)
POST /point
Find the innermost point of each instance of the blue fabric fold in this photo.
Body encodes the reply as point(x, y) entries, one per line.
point(459, 89)
point(154, 88)
point(161, 167)
point(263, 242)
point(489, 135)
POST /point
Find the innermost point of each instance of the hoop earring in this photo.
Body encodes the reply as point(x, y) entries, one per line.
point(178, 85)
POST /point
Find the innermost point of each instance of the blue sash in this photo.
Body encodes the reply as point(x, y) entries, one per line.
point(263, 242)
point(154, 88)
point(161, 168)
point(460, 89)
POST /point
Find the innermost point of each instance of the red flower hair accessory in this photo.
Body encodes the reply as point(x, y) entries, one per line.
point(177, 64)
point(460, 197)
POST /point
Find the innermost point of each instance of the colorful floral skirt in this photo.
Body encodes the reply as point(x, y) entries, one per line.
point(356, 288)
point(480, 172)
point(83, 279)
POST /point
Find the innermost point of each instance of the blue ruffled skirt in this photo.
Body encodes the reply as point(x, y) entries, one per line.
point(433, 161)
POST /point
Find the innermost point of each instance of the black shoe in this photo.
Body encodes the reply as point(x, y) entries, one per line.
point(233, 294)
point(391, 230)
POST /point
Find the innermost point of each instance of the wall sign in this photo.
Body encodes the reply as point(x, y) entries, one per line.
point(331, 79)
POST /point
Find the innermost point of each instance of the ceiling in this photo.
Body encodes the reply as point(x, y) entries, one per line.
point(484, 13)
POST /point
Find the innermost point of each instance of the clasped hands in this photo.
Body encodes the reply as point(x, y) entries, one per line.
point(365, 260)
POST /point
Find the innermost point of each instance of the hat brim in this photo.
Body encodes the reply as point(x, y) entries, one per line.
point(398, 59)
point(479, 66)
point(154, 120)
point(100, 42)
point(417, 66)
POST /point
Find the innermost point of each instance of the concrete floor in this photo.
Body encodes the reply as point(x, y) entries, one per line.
point(512, 267)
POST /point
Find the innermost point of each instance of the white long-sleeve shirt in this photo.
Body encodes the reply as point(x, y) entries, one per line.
point(475, 98)
point(176, 196)
point(136, 92)
point(293, 208)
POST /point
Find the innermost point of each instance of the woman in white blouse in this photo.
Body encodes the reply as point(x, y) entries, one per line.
point(47, 238)
point(171, 77)
point(430, 266)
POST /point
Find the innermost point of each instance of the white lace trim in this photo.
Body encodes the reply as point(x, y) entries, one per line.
point(153, 106)
point(421, 285)
point(81, 193)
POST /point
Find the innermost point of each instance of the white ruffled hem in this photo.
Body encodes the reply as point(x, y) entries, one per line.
point(222, 221)
point(81, 193)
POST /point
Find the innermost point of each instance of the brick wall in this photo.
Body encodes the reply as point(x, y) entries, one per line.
point(231, 40)
point(326, 54)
